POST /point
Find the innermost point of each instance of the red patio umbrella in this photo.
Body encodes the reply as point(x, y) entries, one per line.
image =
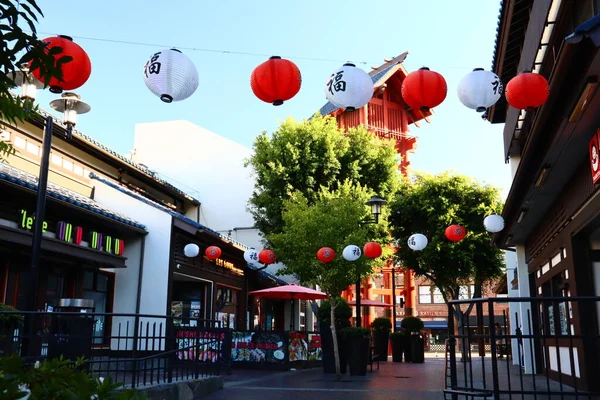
point(290, 292)
point(369, 303)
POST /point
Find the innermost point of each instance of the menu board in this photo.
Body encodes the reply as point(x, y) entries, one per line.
point(305, 346)
point(198, 345)
point(315, 352)
point(259, 347)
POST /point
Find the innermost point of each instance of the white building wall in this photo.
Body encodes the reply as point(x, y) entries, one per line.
point(155, 274)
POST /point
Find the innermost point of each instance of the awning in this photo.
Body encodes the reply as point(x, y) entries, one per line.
point(105, 260)
point(436, 324)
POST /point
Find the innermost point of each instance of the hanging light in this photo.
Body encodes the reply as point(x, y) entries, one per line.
point(171, 75)
point(71, 105)
point(417, 241)
point(479, 89)
point(191, 250)
point(29, 84)
point(424, 89)
point(349, 87)
point(527, 90)
point(276, 80)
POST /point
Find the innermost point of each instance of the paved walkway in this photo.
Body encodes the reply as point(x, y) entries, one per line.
point(392, 381)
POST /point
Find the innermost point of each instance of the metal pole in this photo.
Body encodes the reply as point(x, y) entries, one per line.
point(39, 216)
point(394, 298)
point(358, 316)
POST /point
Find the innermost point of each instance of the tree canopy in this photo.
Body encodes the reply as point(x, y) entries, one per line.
point(308, 156)
point(428, 205)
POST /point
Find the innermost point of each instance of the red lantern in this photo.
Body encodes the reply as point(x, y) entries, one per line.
point(75, 72)
point(372, 250)
point(455, 233)
point(424, 89)
point(267, 257)
point(326, 254)
point(527, 90)
point(276, 80)
point(212, 252)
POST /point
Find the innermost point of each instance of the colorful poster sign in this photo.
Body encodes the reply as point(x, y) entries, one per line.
point(259, 347)
point(202, 345)
point(595, 157)
point(298, 346)
point(315, 352)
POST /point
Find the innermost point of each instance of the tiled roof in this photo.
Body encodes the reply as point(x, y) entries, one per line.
point(27, 180)
point(498, 29)
point(119, 156)
point(182, 217)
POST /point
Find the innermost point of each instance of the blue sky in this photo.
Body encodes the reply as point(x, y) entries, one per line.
point(439, 34)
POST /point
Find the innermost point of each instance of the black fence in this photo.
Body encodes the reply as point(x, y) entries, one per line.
point(133, 349)
point(540, 348)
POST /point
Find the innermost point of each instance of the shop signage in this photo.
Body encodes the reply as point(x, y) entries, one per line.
point(66, 232)
point(228, 265)
point(304, 346)
point(594, 157)
point(259, 347)
point(202, 345)
point(431, 313)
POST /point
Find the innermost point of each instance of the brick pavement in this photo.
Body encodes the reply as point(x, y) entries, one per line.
point(392, 381)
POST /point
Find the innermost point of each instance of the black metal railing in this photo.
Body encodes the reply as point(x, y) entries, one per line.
point(539, 348)
point(135, 349)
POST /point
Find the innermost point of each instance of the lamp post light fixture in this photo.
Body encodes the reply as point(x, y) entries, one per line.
point(376, 203)
point(29, 84)
point(71, 105)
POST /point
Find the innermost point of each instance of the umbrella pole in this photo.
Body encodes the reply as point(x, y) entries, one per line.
point(292, 313)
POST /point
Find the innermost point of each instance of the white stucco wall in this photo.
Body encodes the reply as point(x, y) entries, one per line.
point(155, 264)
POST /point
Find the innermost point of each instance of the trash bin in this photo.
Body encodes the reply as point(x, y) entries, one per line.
point(417, 347)
point(71, 335)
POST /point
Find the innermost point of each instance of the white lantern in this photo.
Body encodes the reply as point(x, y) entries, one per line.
point(493, 223)
point(251, 256)
point(417, 241)
point(171, 75)
point(351, 252)
point(191, 250)
point(480, 89)
point(349, 87)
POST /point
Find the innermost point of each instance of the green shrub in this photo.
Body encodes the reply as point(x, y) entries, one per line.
point(412, 324)
point(342, 312)
point(381, 324)
point(10, 319)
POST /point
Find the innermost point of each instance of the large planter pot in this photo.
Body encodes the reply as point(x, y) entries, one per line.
point(417, 348)
point(381, 340)
point(358, 356)
point(327, 348)
point(398, 347)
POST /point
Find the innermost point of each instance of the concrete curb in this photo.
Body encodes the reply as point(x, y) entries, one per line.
point(188, 390)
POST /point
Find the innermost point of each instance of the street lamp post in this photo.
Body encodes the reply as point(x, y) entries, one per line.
point(376, 203)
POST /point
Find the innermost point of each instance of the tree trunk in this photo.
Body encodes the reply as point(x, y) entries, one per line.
point(336, 353)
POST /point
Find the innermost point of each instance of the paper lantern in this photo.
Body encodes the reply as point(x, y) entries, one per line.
point(74, 73)
point(424, 89)
point(171, 75)
point(455, 233)
point(527, 90)
point(480, 89)
point(212, 252)
point(191, 250)
point(349, 87)
point(417, 241)
point(267, 257)
point(351, 252)
point(372, 250)
point(276, 80)
point(493, 223)
point(251, 256)
point(326, 254)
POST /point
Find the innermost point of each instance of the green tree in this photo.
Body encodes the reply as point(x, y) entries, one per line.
point(428, 205)
point(335, 219)
point(311, 155)
point(18, 48)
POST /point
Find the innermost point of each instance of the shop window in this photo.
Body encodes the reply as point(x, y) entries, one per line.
point(68, 165)
point(97, 286)
point(564, 253)
point(33, 149)
point(20, 142)
point(466, 292)
point(56, 159)
point(545, 268)
point(556, 259)
point(430, 295)
point(78, 170)
point(4, 135)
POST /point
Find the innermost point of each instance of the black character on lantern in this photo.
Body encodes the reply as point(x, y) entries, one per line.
point(497, 87)
point(356, 251)
point(412, 241)
point(253, 256)
point(152, 66)
point(336, 83)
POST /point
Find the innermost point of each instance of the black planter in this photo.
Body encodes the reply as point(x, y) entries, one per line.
point(381, 340)
point(328, 355)
point(417, 348)
point(358, 356)
point(398, 347)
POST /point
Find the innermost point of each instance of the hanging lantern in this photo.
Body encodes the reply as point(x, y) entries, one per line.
point(417, 241)
point(212, 252)
point(351, 252)
point(326, 254)
point(479, 90)
point(276, 80)
point(349, 87)
point(424, 89)
point(527, 90)
point(251, 256)
point(455, 233)
point(191, 250)
point(493, 223)
point(372, 250)
point(267, 257)
point(171, 75)
point(74, 73)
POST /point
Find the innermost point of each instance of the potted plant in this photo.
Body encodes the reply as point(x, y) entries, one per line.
point(10, 319)
point(399, 341)
point(357, 345)
point(343, 313)
point(381, 336)
point(415, 349)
